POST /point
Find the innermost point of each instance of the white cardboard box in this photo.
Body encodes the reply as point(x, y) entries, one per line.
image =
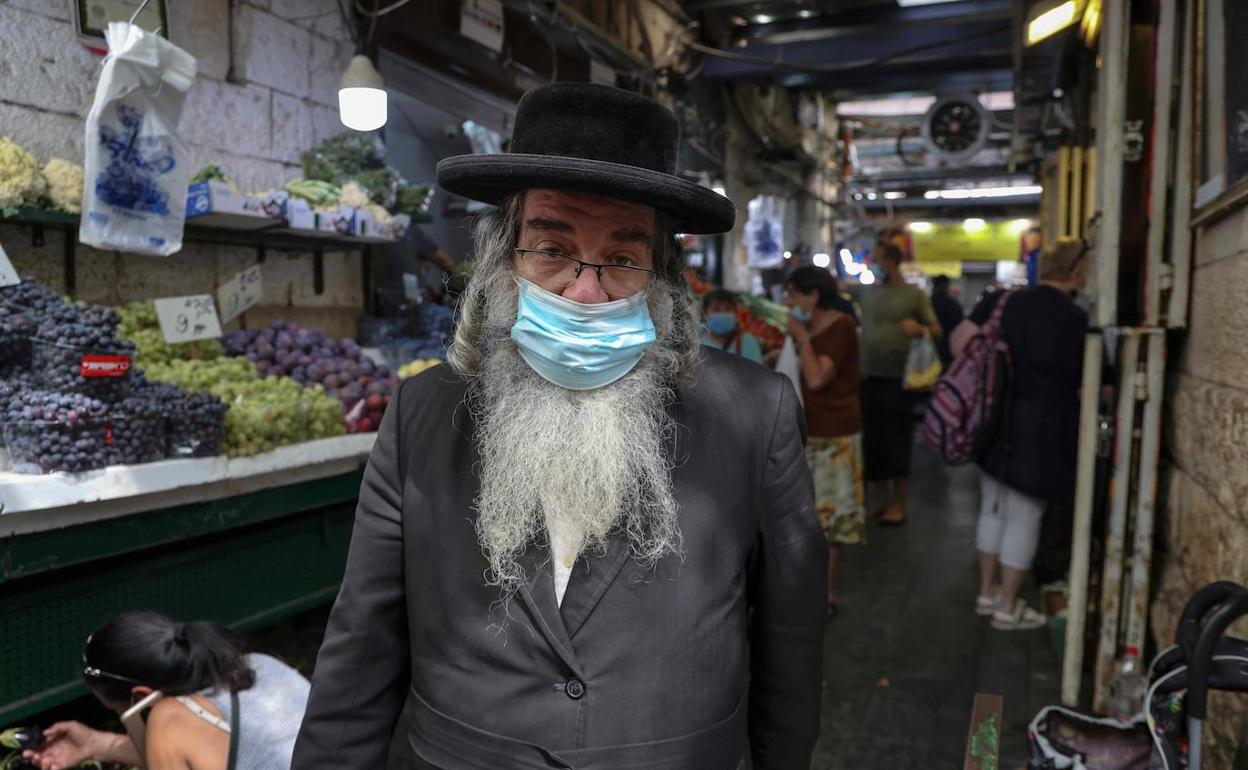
point(213, 202)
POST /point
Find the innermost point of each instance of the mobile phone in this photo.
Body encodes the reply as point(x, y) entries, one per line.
point(135, 722)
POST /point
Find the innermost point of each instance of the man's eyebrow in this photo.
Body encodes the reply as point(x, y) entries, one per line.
point(555, 225)
point(633, 235)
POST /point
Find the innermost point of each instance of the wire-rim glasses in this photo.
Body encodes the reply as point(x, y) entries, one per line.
point(618, 280)
point(96, 673)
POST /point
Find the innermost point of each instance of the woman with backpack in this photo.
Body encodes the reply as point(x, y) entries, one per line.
point(1030, 463)
point(720, 307)
point(202, 703)
point(827, 343)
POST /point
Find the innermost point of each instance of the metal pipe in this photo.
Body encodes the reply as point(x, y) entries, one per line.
point(1115, 542)
point(1146, 502)
point(1112, 96)
point(1156, 278)
point(1180, 226)
point(1080, 558)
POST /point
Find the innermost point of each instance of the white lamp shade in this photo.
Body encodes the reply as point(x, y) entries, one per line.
point(362, 96)
point(363, 109)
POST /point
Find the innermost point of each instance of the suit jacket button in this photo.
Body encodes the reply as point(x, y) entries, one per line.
point(575, 689)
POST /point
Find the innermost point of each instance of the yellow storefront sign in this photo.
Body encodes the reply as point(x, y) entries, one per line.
point(932, 268)
point(969, 241)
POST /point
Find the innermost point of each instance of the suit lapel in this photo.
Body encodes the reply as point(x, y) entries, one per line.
point(591, 577)
point(538, 593)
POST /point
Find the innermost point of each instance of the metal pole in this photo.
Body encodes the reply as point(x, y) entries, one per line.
point(1089, 428)
point(1112, 94)
point(1156, 274)
point(1115, 543)
point(1180, 227)
point(1146, 504)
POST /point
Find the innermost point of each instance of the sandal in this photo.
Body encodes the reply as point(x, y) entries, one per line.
point(1023, 618)
point(985, 605)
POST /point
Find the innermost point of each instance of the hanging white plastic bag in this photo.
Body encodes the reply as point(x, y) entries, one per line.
point(922, 364)
point(790, 365)
point(137, 166)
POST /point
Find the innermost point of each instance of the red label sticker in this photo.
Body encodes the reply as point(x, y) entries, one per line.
point(105, 366)
point(108, 434)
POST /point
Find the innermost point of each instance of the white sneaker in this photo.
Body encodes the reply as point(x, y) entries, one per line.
point(1023, 618)
point(985, 605)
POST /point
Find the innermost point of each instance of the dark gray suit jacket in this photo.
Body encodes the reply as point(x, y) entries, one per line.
point(707, 663)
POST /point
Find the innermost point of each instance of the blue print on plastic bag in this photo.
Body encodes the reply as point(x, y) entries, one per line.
point(129, 181)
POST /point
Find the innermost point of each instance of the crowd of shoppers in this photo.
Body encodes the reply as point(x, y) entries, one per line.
point(860, 418)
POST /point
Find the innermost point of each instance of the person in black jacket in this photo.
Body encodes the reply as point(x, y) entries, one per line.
point(588, 541)
point(949, 313)
point(1031, 465)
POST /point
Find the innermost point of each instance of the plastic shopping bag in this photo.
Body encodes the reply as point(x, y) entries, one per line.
point(790, 365)
point(137, 166)
point(923, 364)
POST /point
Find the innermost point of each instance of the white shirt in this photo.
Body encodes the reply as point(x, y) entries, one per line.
point(564, 547)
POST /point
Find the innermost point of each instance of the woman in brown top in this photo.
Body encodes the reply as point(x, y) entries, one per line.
point(827, 341)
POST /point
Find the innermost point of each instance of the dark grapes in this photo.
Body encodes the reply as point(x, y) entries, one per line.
point(48, 432)
point(16, 327)
point(194, 422)
point(29, 294)
point(310, 358)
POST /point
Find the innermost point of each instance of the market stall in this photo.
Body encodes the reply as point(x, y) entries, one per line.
point(158, 454)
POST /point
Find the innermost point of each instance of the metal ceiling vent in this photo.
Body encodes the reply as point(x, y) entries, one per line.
point(955, 128)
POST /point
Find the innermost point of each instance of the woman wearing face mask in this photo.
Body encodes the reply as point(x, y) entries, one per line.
point(827, 342)
point(720, 306)
point(203, 675)
point(1029, 472)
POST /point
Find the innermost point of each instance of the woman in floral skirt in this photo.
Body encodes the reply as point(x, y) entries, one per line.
point(827, 343)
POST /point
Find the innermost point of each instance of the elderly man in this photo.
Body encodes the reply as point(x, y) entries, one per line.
point(588, 542)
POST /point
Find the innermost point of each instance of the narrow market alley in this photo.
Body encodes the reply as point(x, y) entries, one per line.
point(906, 655)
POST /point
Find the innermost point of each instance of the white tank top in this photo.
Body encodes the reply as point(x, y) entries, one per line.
point(270, 713)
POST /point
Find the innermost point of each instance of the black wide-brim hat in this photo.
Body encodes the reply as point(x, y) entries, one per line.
point(597, 139)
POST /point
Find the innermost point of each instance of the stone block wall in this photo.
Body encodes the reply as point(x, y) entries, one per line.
point(1204, 525)
point(266, 90)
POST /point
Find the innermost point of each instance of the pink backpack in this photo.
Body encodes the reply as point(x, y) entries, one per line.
point(968, 404)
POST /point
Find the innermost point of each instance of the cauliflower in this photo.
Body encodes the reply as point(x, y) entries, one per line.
point(353, 195)
point(64, 184)
point(20, 180)
point(379, 214)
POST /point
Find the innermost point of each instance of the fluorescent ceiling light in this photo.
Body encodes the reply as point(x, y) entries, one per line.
point(920, 227)
point(867, 277)
point(853, 268)
point(910, 3)
point(895, 195)
point(763, 18)
point(788, 255)
point(1052, 21)
point(995, 101)
point(974, 225)
point(821, 260)
point(847, 257)
point(1020, 226)
point(983, 192)
point(806, 14)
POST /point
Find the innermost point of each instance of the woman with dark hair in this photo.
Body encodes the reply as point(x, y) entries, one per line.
point(827, 341)
point(203, 675)
point(720, 307)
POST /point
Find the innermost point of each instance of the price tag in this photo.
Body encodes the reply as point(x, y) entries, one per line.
point(186, 319)
point(239, 293)
point(8, 275)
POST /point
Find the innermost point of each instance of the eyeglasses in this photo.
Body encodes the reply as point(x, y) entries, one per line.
point(551, 266)
point(95, 673)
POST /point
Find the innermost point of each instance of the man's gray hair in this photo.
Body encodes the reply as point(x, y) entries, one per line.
point(495, 235)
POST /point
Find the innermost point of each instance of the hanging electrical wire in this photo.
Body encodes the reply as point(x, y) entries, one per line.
point(359, 7)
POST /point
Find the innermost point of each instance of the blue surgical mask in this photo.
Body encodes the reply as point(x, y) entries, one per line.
point(802, 316)
point(578, 346)
point(721, 324)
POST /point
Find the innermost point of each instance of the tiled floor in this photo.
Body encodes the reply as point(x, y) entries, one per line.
point(907, 653)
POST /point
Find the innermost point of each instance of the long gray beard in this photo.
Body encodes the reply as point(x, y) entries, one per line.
point(588, 463)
